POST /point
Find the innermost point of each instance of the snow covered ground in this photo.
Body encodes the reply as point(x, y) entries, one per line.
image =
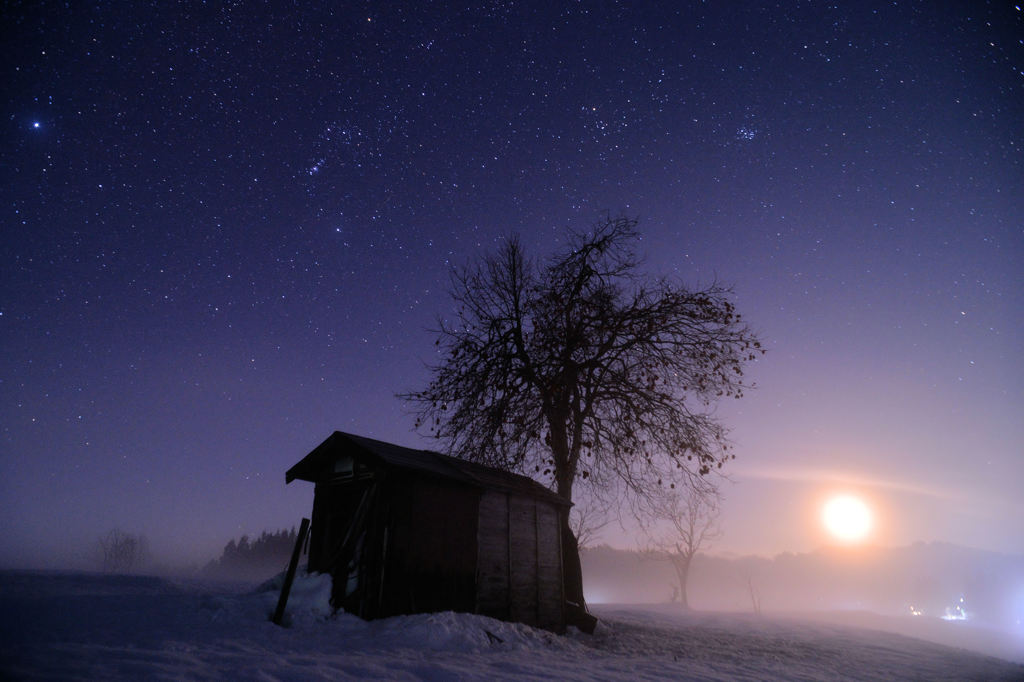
point(67, 626)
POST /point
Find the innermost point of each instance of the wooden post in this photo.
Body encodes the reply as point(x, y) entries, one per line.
point(290, 575)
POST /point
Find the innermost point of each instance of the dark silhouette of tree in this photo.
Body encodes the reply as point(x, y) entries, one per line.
point(685, 523)
point(581, 370)
point(122, 551)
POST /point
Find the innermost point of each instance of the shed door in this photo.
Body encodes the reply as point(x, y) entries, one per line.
point(432, 548)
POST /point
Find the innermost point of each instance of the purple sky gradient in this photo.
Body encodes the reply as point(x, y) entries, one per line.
point(226, 231)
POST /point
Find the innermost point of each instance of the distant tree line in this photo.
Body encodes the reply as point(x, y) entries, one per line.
point(253, 558)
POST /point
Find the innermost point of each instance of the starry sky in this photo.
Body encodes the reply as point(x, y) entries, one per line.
point(228, 227)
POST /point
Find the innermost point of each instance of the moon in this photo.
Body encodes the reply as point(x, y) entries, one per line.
point(847, 518)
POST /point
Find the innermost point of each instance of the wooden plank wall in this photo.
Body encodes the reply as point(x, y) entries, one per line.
point(492, 561)
point(550, 612)
point(519, 569)
point(523, 606)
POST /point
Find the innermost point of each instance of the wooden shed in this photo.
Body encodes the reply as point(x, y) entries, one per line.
point(413, 531)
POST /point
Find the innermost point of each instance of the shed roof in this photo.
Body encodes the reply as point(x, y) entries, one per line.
point(312, 466)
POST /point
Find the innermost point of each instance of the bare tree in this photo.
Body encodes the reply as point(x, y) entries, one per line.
point(581, 371)
point(121, 551)
point(747, 569)
point(586, 521)
point(755, 596)
point(689, 523)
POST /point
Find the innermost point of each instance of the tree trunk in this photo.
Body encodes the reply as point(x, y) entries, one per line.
point(576, 606)
point(682, 566)
point(571, 566)
point(573, 569)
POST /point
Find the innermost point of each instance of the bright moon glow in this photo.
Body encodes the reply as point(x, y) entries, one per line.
point(847, 518)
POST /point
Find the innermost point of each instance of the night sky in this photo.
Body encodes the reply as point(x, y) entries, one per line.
point(227, 229)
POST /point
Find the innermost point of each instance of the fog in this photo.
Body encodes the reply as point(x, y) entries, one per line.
point(941, 592)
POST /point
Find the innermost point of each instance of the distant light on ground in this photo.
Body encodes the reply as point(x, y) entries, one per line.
point(956, 612)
